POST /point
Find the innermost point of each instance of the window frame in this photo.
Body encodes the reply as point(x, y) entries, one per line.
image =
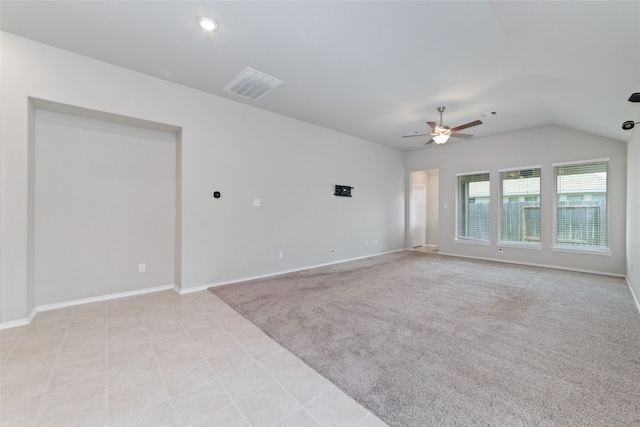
point(514, 243)
point(464, 239)
point(584, 249)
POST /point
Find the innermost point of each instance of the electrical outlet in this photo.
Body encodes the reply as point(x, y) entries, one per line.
point(281, 254)
point(142, 268)
point(366, 243)
point(375, 241)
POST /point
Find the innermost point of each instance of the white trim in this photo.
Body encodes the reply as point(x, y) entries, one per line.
point(14, 324)
point(264, 276)
point(19, 322)
point(176, 288)
point(63, 304)
point(555, 267)
point(71, 303)
point(579, 250)
point(633, 295)
point(520, 168)
point(577, 162)
point(472, 241)
point(521, 245)
point(554, 206)
point(472, 173)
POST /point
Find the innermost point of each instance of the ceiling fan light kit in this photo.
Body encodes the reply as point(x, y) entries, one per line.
point(441, 133)
point(440, 139)
point(207, 23)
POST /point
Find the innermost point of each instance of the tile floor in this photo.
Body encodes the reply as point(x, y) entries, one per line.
point(160, 359)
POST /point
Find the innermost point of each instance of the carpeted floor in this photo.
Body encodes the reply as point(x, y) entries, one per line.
point(428, 340)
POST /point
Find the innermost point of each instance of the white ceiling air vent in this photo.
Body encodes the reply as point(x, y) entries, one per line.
point(252, 84)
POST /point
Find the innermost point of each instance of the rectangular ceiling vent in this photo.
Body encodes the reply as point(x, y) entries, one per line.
point(252, 84)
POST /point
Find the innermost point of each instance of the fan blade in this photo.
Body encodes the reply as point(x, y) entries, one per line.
point(461, 135)
point(467, 125)
point(433, 125)
point(429, 142)
point(417, 134)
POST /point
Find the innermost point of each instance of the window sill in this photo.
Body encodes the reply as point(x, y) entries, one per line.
point(473, 242)
point(523, 245)
point(578, 250)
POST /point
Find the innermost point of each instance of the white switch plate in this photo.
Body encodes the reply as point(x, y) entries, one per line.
point(257, 202)
point(281, 254)
point(142, 268)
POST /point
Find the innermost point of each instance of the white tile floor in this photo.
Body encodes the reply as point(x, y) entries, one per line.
point(160, 359)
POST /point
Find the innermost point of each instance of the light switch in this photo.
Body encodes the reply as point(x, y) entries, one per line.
point(256, 202)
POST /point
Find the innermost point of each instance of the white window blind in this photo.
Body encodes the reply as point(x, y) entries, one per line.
point(581, 214)
point(520, 205)
point(473, 206)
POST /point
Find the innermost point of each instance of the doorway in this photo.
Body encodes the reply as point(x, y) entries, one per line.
point(424, 212)
point(418, 215)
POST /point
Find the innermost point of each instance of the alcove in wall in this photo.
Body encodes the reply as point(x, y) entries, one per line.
point(104, 216)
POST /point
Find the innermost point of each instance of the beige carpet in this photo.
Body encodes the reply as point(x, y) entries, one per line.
point(428, 340)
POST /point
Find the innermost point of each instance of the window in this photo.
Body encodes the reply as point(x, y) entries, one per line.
point(520, 205)
point(581, 214)
point(473, 206)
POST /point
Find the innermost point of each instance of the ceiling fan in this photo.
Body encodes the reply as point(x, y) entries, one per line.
point(441, 134)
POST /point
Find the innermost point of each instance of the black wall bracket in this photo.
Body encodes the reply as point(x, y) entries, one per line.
point(343, 191)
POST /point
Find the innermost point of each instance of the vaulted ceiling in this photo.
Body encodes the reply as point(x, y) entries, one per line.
point(375, 70)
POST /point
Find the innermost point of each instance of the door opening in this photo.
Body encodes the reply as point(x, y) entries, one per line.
point(424, 210)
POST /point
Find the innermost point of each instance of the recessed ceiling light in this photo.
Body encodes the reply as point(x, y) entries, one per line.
point(207, 23)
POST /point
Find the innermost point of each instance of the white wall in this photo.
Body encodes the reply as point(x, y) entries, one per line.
point(241, 151)
point(633, 213)
point(105, 201)
point(539, 146)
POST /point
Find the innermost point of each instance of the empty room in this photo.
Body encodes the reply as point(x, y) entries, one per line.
point(319, 213)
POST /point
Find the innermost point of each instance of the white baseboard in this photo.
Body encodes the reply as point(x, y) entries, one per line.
point(179, 290)
point(555, 267)
point(633, 295)
point(182, 291)
point(265, 276)
point(19, 322)
point(71, 303)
